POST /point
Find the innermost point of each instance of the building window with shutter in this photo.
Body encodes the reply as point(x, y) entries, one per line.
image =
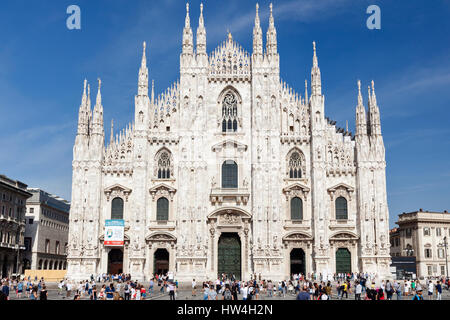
point(162, 209)
point(296, 209)
point(229, 175)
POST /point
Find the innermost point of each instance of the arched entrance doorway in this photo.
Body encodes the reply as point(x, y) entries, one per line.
point(343, 261)
point(115, 261)
point(161, 261)
point(298, 261)
point(229, 255)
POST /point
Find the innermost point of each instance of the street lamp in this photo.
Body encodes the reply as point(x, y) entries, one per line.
point(444, 244)
point(17, 259)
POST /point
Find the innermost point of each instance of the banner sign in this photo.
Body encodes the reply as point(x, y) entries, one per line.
point(114, 232)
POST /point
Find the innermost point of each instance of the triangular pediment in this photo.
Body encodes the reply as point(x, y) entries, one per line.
point(229, 143)
point(296, 186)
point(341, 185)
point(118, 187)
point(162, 186)
point(229, 59)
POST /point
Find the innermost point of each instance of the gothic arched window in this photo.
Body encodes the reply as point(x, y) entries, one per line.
point(229, 174)
point(164, 164)
point(294, 165)
point(296, 209)
point(229, 113)
point(117, 209)
point(341, 208)
point(162, 209)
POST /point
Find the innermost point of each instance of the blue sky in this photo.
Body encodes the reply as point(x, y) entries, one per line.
point(43, 64)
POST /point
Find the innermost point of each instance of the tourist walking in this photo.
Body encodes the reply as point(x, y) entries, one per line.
point(172, 290)
point(430, 290)
point(438, 291)
point(43, 295)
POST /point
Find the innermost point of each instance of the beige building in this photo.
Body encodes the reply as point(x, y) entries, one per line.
point(421, 234)
point(13, 195)
point(47, 231)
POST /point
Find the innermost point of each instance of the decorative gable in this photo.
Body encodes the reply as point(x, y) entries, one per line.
point(229, 144)
point(162, 190)
point(117, 190)
point(341, 189)
point(296, 190)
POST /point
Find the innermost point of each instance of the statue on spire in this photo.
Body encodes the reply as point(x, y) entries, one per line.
point(143, 74)
point(316, 82)
point(201, 34)
point(257, 34)
point(188, 42)
point(271, 45)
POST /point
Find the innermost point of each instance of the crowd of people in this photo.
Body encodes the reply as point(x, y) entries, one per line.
point(299, 286)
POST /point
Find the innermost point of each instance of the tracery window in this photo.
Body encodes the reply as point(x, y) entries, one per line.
point(295, 170)
point(229, 113)
point(164, 164)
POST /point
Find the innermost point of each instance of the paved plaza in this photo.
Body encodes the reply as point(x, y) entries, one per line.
point(184, 293)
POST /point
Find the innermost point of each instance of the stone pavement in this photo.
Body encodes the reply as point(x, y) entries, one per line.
point(186, 294)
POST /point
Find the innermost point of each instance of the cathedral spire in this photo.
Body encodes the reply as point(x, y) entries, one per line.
point(316, 82)
point(306, 91)
point(188, 44)
point(201, 34)
point(111, 137)
point(83, 120)
point(97, 120)
point(271, 46)
point(143, 74)
point(374, 112)
point(257, 34)
point(98, 101)
point(153, 92)
point(361, 121)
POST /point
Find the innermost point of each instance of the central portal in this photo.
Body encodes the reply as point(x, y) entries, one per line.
point(115, 261)
point(229, 257)
point(298, 261)
point(161, 262)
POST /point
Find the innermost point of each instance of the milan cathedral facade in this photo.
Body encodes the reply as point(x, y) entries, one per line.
point(230, 171)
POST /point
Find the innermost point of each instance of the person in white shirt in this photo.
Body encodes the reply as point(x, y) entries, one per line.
point(430, 290)
point(244, 292)
point(138, 294)
point(358, 291)
point(194, 286)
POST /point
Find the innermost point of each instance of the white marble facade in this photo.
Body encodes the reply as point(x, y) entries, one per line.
point(282, 144)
